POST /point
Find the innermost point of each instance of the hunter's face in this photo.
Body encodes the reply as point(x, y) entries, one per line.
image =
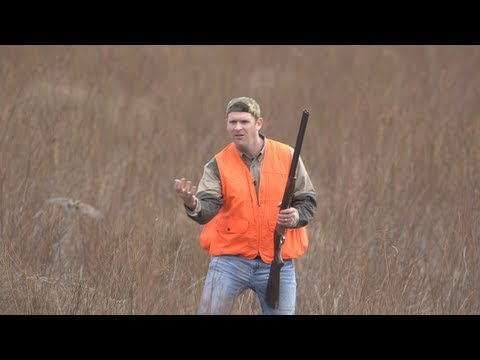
point(243, 129)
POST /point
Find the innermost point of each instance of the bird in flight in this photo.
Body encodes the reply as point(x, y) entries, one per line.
point(74, 206)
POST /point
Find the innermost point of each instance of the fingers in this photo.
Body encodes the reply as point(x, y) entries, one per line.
point(185, 189)
point(183, 186)
point(178, 185)
point(288, 211)
point(288, 217)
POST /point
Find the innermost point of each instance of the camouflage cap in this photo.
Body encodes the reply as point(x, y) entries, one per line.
point(244, 104)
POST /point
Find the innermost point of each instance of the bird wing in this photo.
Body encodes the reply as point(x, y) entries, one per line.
point(59, 200)
point(90, 210)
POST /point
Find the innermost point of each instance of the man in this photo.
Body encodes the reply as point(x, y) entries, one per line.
point(238, 201)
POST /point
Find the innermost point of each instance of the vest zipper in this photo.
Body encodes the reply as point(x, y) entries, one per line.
point(256, 193)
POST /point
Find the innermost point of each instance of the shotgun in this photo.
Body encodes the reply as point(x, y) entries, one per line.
point(273, 287)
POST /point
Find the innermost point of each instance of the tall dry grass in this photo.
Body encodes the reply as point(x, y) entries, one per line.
point(392, 147)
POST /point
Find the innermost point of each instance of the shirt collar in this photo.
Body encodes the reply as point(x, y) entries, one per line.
point(260, 153)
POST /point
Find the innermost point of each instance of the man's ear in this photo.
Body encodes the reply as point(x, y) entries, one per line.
point(259, 123)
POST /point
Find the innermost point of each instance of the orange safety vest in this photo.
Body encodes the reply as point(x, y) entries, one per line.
point(245, 223)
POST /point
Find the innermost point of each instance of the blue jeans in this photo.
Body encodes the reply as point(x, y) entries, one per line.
point(228, 276)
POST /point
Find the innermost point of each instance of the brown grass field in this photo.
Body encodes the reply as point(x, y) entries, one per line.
point(392, 147)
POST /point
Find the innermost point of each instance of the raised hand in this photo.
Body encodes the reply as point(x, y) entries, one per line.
point(186, 191)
